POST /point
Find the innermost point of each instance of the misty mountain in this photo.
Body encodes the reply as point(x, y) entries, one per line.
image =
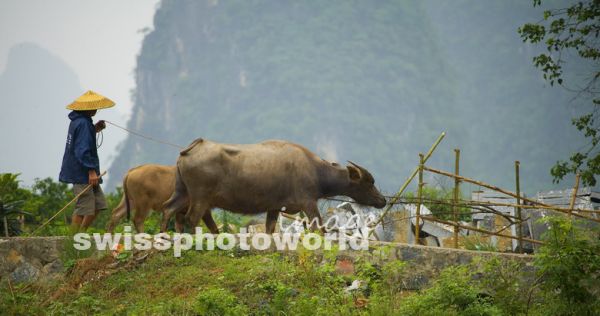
point(35, 87)
point(371, 82)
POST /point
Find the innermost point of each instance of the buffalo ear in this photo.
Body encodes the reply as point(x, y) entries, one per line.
point(353, 172)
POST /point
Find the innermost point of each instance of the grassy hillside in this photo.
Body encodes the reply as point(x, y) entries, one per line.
point(305, 282)
point(234, 283)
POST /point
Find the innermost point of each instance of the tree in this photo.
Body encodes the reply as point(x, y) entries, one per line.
point(566, 31)
point(11, 198)
point(47, 197)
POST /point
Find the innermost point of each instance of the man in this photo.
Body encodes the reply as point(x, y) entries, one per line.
point(80, 165)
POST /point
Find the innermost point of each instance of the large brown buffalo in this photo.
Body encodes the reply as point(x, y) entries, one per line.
point(146, 188)
point(271, 176)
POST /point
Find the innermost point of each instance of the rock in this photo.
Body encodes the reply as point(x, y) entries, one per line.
point(14, 257)
point(416, 282)
point(25, 272)
point(53, 267)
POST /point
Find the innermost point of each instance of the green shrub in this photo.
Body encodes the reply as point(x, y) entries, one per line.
point(507, 283)
point(476, 243)
point(453, 293)
point(569, 265)
point(218, 301)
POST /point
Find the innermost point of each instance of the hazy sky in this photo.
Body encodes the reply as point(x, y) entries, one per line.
point(99, 40)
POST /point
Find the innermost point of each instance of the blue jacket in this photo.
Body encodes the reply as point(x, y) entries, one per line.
point(81, 153)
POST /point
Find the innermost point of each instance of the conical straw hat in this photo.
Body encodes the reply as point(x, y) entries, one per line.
point(91, 101)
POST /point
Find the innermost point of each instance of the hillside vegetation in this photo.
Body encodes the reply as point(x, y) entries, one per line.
point(237, 282)
point(372, 82)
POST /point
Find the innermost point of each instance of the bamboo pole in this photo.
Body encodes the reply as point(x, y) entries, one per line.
point(396, 196)
point(420, 198)
point(483, 231)
point(552, 208)
point(491, 187)
point(518, 208)
point(574, 195)
point(456, 192)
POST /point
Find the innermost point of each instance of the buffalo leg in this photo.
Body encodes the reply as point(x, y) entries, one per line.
point(312, 211)
point(179, 222)
point(271, 222)
point(196, 212)
point(174, 205)
point(117, 215)
point(139, 217)
point(210, 223)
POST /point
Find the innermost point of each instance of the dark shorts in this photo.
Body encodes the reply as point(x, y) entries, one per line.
point(90, 201)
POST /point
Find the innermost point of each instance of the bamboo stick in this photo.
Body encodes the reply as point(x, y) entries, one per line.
point(495, 188)
point(483, 231)
point(408, 180)
point(523, 206)
point(518, 208)
point(574, 196)
point(552, 208)
point(420, 199)
point(456, 192)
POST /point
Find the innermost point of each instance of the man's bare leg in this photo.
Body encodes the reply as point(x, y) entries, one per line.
point(88, 220)
point(76, 223)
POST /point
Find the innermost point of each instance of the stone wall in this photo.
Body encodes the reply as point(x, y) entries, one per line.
point(24, 259)
point(425, 263)
point(34, 258)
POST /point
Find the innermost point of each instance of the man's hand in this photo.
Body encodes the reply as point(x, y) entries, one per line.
point(100, 126)
point(93, 177)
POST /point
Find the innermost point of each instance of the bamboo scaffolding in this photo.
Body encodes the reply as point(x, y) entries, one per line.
point(396, 196)
point(456, 192)
point(495, 188)
point(518, 208)
point(420, 198)
point(483, 231)
point(574, 195)
point(523, 206)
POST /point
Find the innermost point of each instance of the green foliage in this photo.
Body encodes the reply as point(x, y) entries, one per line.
point(10, 190)
point(507, 283)
point(453, 293)
point(572, 31)
point(40, 202)
point(48, 197)
point(306, 283)
point(438, 200)
point(43, 200)
point(217, 302)
point(569, 264)
point(17, 302)
point(11, 199)
point(377, 93)
point(475, 242)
